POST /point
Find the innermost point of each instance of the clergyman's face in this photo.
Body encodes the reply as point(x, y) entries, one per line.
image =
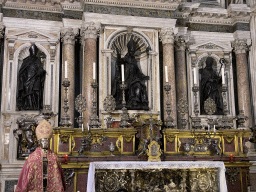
point(44, 143)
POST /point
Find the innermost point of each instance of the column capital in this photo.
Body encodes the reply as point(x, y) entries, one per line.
point(180, 44)
point(68, 35)
point(240, 45)
point(89, 30)
point(167, 35)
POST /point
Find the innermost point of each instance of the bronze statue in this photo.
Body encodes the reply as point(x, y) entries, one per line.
point(210, 85)
point(31, 79)
point(136, 93)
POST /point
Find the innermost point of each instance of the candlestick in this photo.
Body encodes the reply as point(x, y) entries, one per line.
point(166, 74)
point(82, 127)
point(214, 128)
point(88, 127)
point(195, 76)
point(223, 76)
point(94, 70)
point(66, 69)
point(122, 69)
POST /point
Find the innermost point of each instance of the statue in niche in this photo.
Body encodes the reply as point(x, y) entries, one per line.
point(136, 93)
point(210, 85)
point(31, 79)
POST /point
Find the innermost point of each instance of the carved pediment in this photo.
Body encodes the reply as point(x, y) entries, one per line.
point(209, 45)
point(32, 34)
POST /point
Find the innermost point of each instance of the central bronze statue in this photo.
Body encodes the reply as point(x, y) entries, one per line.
point(210, 87)
point(136, 93)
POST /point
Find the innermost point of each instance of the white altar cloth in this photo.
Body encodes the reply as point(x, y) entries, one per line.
point(156, 165)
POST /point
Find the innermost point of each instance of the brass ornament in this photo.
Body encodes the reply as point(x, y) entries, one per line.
point(128, 138)
point(154, 151)
point(209, 106)
point(229, 138)
point(80, 103)
point(232, 174)
point(170, 138)
point(64, 137)
point(109, 104)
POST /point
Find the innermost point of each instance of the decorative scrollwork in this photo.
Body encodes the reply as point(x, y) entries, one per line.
point(232, 174)
point(109, 104)
point(64, 137)
point(80, 103)
point(170, 138)
point(229, 138)
point(209, 106)
point(128, 138)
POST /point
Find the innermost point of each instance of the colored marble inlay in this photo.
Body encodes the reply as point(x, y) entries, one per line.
point(82, 182)
point(229, 147)
point(253, 181)
point(128, 147)
point(170, 147)
point(63, 147)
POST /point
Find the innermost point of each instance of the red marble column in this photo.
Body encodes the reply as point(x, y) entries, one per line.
point(181, 79)
point(89, 37)
point(68, 39)
point(167, 38)
point(244, 102)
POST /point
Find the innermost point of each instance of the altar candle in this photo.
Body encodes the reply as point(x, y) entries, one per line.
point(122, 69)
point(88, 127)
point(166, 74)
point(208, 128)
point(223, 76)
point(94, 70)
point(214, 128)
point(195, 76)
point(82, 127)
point(66, 69)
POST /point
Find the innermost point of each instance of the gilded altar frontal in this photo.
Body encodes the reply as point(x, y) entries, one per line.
point(127, 96)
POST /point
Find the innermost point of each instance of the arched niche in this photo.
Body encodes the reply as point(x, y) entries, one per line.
point(14, 66)
point(147, 60)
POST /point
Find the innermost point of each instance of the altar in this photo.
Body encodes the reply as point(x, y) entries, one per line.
point(201, 176)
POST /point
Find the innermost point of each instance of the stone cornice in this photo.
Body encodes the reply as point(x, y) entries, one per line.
point(56, 7)
point(167, 5)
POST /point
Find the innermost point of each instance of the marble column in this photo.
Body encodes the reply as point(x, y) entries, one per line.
point(89, 33)
point(68, 39)
point(167, 38)
point(244, 102)
point(181, 80)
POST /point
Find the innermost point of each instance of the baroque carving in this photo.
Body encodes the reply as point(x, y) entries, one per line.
point(64, 137)
point(167, 35)
point(209, 106)
point(89, 31)
point(156, 180)
point(68, 35)
point(240, 46)
point(232, 174)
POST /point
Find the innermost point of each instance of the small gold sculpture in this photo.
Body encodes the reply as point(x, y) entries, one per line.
point(154, 151)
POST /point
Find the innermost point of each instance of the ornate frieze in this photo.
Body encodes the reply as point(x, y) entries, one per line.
point(89, 31)
point(240, 46)
point(68, 35)
point(167, 35)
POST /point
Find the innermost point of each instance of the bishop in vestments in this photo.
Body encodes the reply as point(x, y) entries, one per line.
point(42, 171)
